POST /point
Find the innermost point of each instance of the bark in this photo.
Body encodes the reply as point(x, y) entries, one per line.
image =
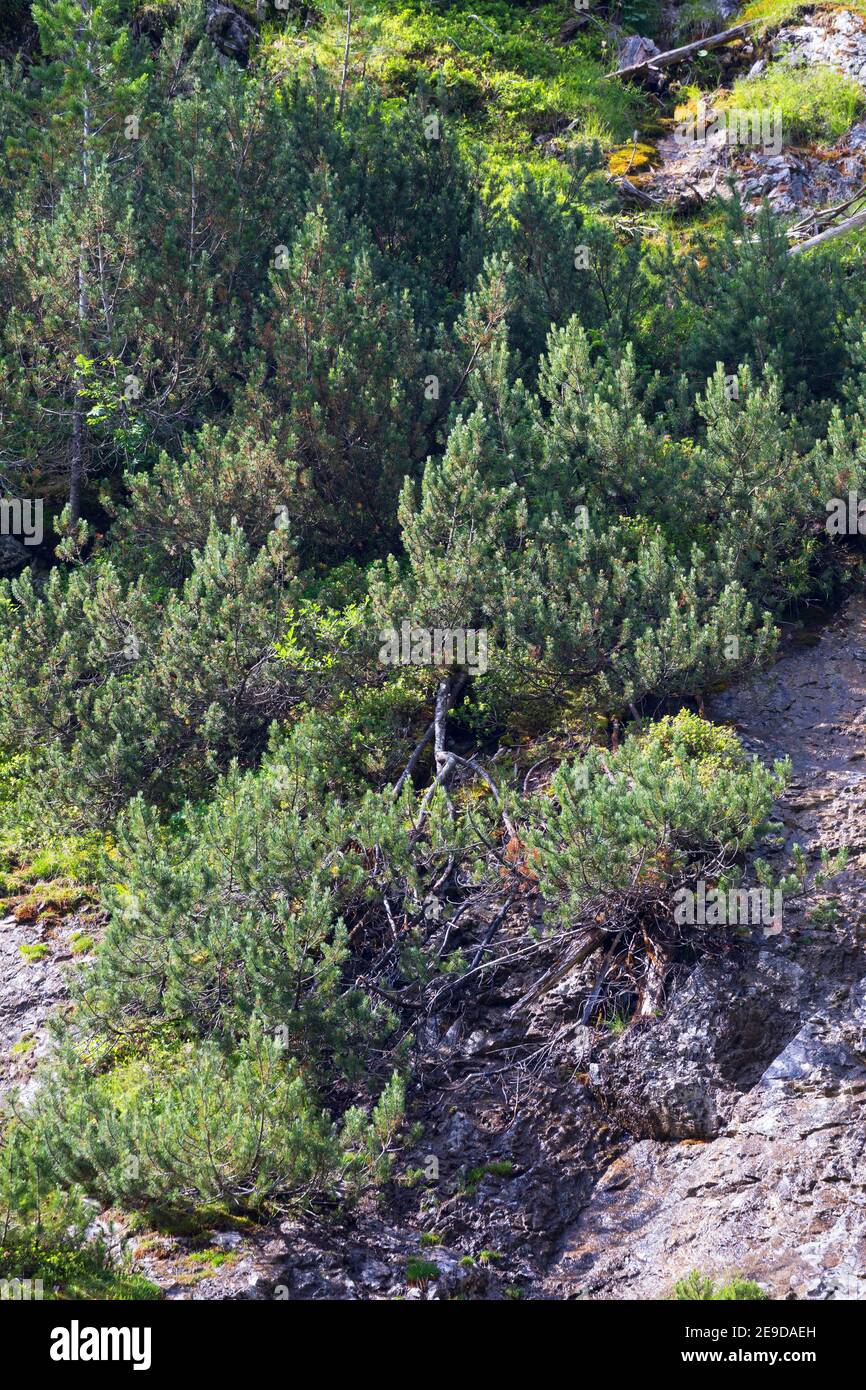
point(345, 62)
point(851, 224)
point(677, 55)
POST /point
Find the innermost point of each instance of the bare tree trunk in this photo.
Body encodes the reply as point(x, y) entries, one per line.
point(76, 463)
point(345, 61)
point(589, 944)
point(654, 984)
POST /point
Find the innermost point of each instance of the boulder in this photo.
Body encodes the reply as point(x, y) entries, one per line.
point(230, 32)
point(680, 1076)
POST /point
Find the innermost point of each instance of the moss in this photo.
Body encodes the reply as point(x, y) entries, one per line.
point(633, 159)
point(499, 1168)
point(33, 951)
point(213, 1258)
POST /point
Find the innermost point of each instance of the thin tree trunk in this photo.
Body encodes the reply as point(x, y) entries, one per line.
point(345, 61)
point(76, 464)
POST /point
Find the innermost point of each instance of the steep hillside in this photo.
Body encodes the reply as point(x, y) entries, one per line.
point(432, 640)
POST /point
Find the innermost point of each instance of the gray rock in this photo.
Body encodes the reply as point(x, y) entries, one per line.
point(680, 1077)
point(13, 555)
point(230, 32)
point(635, 49)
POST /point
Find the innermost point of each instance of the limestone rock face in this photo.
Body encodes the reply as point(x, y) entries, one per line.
point(748, 1098)
point(679, 1077)
point(779, 1196)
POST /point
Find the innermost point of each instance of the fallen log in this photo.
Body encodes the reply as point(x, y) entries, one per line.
point(676, 55)
point(851, 224)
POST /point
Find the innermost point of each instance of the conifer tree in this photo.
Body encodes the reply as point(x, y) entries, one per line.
point(72, 239)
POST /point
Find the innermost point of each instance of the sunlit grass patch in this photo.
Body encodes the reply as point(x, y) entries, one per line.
point(814, 104)
point(497, 72)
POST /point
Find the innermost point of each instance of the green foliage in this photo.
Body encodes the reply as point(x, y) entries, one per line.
point(646, 815)
point(306, 360)
point(686, 738)
point(746, 301)
point(255, 893)
point(44, 1230)
point(34, 951)
point(498, 1168)
point(697, 1286)
point(495, 70)
point(815, 104)
point(420, 1271)
point(193, 1127)
point(120, 695)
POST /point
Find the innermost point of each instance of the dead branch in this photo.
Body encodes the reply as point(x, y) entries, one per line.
point(416, 753)
point(602, 976)
point(441, 776)
point(490, 933)
point(851, 224)
point(630, 191)
point(677, 55)
point(558, 972)
point(825, 215)
point(345, 73)
point(476, 767)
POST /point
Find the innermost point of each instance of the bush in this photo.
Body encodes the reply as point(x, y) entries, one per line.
point(189, 1127)
point(44, 1229)
point(662, 807)
point(697, 1286)
point(621, 835)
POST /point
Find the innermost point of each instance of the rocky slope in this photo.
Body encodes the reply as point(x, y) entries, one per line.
point(558, 1161)
point(794, 179)
point(751, 1094)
